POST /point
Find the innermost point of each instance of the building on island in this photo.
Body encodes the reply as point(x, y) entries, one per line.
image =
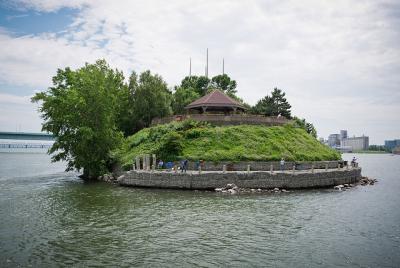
point(215, 102)
point(219, 109)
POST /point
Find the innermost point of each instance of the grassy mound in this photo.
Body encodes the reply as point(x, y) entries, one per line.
point(199, 140)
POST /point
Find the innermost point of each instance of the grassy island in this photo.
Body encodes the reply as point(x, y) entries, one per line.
point(200, 140)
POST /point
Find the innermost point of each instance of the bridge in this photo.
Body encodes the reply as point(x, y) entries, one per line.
point(26, 136)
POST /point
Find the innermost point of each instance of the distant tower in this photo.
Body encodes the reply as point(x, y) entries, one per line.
point(223, 66)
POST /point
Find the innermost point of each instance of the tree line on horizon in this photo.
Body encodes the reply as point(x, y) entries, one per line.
point(89, 110)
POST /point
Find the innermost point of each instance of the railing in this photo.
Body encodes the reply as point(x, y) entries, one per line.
point(24, 146)
point(221, 119)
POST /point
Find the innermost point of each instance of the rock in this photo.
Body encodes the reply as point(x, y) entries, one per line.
point(259, 190)
point(235, 188)
point(252, 190)
point(120, 178)
point(231, 191)
point(337, 187)
point(340, 186)
point(276, 189)
point(224, 191)
point(218, 189)
point(346, 185)
point(230, 186)
point(351, 185)
point(285, 191)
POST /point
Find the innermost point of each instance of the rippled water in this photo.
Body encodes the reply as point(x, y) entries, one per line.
point(52, 218)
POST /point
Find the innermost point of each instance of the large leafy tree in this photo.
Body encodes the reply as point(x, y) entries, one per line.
point(151, 98)
point(273, 105)
point(181, 98)
point(80, 109)
point(198, 84)
point(224, 82)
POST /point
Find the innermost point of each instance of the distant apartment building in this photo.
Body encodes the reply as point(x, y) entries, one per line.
point(343, 134)
point(334, 140)
point(356, 143)
point(391, 144)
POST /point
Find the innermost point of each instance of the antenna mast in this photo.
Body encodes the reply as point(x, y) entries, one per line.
point(223, 66)
point(207, 65)
point(190, 67)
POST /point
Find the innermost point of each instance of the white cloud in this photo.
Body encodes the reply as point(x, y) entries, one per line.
point(18, 113)
point(338, 61)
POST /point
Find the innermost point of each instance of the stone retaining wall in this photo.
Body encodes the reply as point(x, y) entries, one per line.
point(254, 179)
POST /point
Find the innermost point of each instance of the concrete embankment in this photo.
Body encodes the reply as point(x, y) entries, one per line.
point(253, 179)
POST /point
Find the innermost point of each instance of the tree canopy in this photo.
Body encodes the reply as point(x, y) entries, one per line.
point(198, 84)
point(151, 98)
point(80, 109)
point(224, 82)
point(273, 105)
point(90, 109)
point(308, 127)
point(181, 98)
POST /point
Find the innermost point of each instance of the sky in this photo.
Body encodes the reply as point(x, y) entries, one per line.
point(337, 61)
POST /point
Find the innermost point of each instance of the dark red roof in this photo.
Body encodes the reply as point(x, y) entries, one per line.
point(216, 98)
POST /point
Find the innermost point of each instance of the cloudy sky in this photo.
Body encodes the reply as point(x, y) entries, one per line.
point(337, 61)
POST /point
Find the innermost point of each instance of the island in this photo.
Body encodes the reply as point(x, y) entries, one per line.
point(223, 145)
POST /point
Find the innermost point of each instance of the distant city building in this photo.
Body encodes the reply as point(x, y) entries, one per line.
point(391, 144)
point(343, 134)
point(356, 143)
point(334, 140)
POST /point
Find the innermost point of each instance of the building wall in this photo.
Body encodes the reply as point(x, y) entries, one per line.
point(391, 144)
point(334, 140)
point(356, 143)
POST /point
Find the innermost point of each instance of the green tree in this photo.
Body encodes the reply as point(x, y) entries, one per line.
point(80, 109)
point(273, 105)
point(224, 82)
point(199, 84)
point(151, 98)
point(308, 127)
point(181, 98)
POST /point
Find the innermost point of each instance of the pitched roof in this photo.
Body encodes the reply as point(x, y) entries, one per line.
point(216, 98)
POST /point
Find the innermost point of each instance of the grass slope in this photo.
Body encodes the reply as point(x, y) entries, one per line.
point(195, 140)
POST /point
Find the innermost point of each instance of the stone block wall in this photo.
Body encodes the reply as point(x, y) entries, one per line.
point(256, 179)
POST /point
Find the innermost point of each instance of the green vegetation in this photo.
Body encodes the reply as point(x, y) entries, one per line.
point(370, 152)
point(308, 127)
point(81, 110)
point(89, 110)
point(273, 105)
point(196, 140)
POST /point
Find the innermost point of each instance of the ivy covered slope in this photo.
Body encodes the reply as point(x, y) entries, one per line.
point(195, 140)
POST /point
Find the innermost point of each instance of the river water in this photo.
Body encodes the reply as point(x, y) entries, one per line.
point(51, 218)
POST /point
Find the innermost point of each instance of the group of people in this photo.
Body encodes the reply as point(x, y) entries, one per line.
point(184, 164)
point(171, 165)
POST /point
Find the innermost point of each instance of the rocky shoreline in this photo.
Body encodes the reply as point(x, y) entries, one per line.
point(364, 181)
point(231, 188)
